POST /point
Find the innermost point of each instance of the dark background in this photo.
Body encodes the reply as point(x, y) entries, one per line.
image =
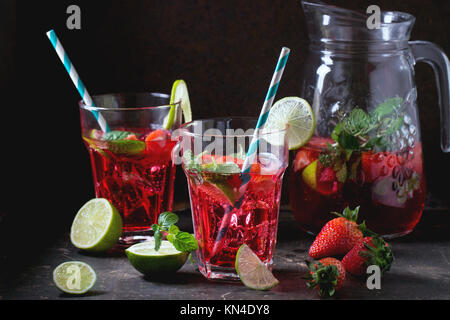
point(224, 50)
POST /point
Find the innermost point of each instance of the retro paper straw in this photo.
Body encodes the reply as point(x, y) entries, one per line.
point(253, 148)
point(75, 78)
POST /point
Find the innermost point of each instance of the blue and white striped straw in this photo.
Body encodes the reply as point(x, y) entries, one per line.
point(76, 79)
point(253, 148)
point(268, 102)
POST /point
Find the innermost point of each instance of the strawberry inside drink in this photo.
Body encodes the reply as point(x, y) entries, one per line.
point(389, 187)
point(133, 169)
point(214, 188)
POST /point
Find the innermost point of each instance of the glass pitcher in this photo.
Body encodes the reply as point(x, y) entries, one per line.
point(366, 150)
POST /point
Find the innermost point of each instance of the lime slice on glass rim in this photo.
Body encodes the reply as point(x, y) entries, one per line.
point(295, 112)
point(179, 92)
point(147, 261)
point(96, 227)
point(74, 277)
point(253, 273)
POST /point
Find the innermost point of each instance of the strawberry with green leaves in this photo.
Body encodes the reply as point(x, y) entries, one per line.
point(327, 276)
point(368, 251)
point(338, 236)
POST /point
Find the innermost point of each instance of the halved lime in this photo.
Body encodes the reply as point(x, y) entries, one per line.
point(295, 112)
point(147, 261)
point(253, 273)
point(74, 277)
point(97, 226)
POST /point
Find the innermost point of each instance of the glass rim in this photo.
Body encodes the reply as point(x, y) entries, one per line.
point(405, 17)
point(84, 106)
point(260, 134)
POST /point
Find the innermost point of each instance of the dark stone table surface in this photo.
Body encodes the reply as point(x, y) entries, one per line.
point(421, 271)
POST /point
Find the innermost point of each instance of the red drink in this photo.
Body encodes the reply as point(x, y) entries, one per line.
point(389, 186)
point(133, 169)
point(254, 222)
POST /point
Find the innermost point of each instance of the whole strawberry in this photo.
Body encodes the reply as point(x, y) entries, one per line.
point(327, 276)
point(338, 236)
point(368, 251)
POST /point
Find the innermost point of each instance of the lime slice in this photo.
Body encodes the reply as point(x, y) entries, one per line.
point(219, 190)
point(146, 260)
point(74, 277)
point(180, 92)
point(309, 175)
point(295, 112)
point(97, 226)
point(126, 147)
point(252, 272)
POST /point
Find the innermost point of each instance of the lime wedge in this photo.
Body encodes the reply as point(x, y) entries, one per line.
point(309, 175)
point(126, 147)
point(295, 112)
point(74, 277)
point(253, 273)
point(219, 190)
point(97, 226)
point(180, 92)
point(146, 260)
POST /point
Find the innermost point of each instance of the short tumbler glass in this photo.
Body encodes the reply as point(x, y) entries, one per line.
point(131, 162)
point(232, 206)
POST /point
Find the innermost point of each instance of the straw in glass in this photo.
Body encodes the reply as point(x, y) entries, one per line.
point(57, 45)
point(253, 148)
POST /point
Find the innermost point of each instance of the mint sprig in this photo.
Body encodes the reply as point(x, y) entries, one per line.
point(182, 241)
point(196, 163)
point(361, 131)
point(118, 144)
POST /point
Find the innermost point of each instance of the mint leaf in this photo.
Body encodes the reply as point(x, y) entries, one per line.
point(348, 141)
point(118, 145)
point(388, 107)
point(227, 168)
point(158, 239)
point(166, 219)
point(185, 242)
point(174, 229)
point(357, 123)
point(325, 159)
point(336, 132)
point(116, 135)
point(126, 147)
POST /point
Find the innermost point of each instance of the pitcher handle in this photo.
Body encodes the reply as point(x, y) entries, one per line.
point(433, 55)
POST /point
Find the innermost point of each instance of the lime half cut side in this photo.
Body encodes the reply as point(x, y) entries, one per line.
point(97, 226)
point(144, 258)
point(74, 277)
point(253, 273)
point(297, 114)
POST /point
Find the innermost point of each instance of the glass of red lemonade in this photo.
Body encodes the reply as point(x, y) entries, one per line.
point(231, 206)
point(131, 160)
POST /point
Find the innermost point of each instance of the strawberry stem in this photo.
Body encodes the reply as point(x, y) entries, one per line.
point(349, 214)
point(324, 278)
point(379, 253)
